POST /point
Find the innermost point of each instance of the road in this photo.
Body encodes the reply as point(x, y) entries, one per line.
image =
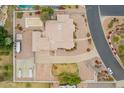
point(112, 10)
point(101, 43)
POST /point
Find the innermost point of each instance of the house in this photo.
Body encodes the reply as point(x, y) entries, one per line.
point(58, 34)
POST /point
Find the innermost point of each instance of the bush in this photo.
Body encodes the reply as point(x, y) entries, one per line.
point(46, 13)
point(90, 41)
point(30, 13)
point(88, 49)
point(28, 85)
point(8, 67)
point(88, 34)
point(69, 79)
point(110, 25)
point(19, 15)
point(121, 53)
point(115, 39)
point(5, 39)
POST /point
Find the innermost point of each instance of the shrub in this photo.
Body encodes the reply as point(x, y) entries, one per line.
point(30, 13)
point(88, 34)
point(19, 15)
point(46, 13)
point(89, 40)
point(28, 85)
point(5, 39)
point(121, 53)
point(115, 39)
point(110, 25)
point(88, 49)
point(69, 78)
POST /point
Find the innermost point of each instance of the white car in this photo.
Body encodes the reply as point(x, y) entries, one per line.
point(18, 47)
point(110, 71)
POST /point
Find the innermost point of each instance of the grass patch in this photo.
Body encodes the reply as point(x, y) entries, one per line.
point(24, 85)
point(69, 79)
point(19, 15)
point(122, 36)
point(6, 73)
point(115, 39)
point(121, 53)
point(6, 68)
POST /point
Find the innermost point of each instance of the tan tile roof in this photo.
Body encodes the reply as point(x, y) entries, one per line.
point(39, 43)
point(59, 34)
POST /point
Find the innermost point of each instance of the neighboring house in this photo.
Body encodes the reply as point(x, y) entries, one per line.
point(3, 14)
point(58, 34)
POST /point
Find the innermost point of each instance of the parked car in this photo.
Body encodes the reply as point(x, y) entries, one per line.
point(110, 71)
point(18, 46)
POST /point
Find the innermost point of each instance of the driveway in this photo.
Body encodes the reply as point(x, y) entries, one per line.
point(101, 43)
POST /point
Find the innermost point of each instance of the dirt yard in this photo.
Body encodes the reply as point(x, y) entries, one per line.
point(60, 68)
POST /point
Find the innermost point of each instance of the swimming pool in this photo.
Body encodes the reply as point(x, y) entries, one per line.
point(24, 6)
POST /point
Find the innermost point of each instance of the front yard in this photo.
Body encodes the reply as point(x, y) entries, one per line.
point(57, 69)
point(66, 73)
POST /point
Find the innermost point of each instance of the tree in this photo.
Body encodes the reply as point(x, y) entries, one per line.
point(46, 13)
point(69, 79)
point(8, 41)
point(5, 39)
point(19, 15)
point(45, 16)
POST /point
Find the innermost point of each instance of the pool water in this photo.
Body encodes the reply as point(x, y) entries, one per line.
point(24, 6)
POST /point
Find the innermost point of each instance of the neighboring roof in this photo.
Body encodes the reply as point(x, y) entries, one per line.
point(59, 34)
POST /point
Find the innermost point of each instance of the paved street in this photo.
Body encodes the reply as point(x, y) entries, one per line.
point(101, 43)
point(112, 10)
